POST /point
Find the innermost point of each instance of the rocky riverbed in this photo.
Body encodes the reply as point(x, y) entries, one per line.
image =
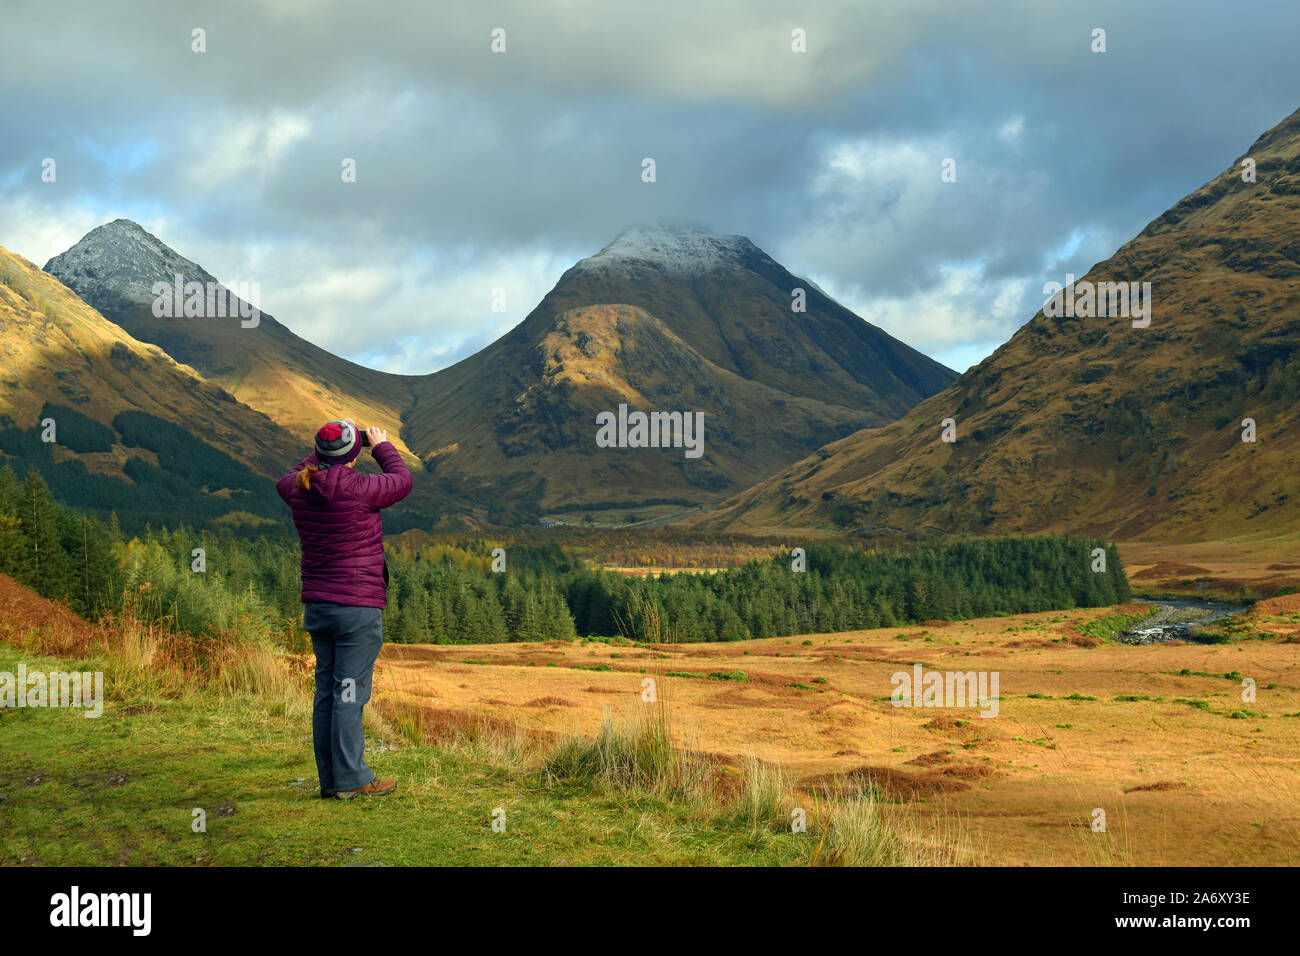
point(1177, 620)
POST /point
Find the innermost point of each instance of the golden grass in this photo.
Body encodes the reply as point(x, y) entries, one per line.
point(1078, 729)
point(143, 658)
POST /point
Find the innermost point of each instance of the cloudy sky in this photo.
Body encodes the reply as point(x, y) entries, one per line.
point(479, 170)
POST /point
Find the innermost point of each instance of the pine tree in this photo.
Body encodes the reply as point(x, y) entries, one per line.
point(13, 544)
point(94, 578)
point(47, 570)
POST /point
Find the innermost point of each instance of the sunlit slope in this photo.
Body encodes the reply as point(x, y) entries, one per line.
point(58, 349)
point(1090, 424)
point(264, 365)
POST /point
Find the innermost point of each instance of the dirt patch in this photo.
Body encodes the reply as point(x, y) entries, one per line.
point(1160, 787)
point(969, 771)
point(442, 724)
point(1171, 569)
point(892, 784)
point(1286, 604)
point(932, 759)
point(946, 723)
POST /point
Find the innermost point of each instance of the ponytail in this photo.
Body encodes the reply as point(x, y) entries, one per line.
point(304, 477)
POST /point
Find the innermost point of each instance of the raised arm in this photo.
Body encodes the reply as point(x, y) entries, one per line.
point(380, 491)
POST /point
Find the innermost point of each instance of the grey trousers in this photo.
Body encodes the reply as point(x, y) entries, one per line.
point(347, 642)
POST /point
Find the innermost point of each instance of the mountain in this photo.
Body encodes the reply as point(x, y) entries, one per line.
point(114, 268)
point(116, 402)
point(1091, 424)
point(669, 320)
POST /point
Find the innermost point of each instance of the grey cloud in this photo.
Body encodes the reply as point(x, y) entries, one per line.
point(475, 168)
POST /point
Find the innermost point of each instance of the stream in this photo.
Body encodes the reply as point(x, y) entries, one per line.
point(1177, 619)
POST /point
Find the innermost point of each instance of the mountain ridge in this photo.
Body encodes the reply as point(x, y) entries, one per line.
point(770, 381)
point(671, 315)
point(38, 309)
point(1089, 424)
point(266, 365)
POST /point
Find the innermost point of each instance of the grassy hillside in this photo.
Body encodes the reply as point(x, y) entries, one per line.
point(59, 350)
point(228, 733)
point(267, 367)
point(537, 441)
point(195, 450)
point(146, 470)
point(1090, 424)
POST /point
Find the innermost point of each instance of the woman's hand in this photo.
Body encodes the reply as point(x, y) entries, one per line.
point(377, 436)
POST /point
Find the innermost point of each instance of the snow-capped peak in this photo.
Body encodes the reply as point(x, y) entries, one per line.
point(123, 256)
point(672, 249)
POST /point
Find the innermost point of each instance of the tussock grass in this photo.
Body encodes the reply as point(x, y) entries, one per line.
point(1109, 627)
point(1111, 847)
point(399, 711)
point(765, 800)
point(855, 833)
point(635, 753)
point(864, 829)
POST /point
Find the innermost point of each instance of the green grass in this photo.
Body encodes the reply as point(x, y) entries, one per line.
point(1187, 672)
point(1247, 715)
point(122, 789)
point(1110, 626)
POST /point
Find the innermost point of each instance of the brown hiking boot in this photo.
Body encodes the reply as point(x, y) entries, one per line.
point(375, 788)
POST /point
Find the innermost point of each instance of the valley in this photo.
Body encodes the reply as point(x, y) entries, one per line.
point(1156, 736)
point(579, 545)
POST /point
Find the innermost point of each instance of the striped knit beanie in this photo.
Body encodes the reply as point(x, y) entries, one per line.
point(337, 443)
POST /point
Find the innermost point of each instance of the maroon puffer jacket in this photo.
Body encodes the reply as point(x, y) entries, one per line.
point(341, 531)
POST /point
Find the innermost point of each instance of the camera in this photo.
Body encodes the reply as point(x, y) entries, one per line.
point(365, 438)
